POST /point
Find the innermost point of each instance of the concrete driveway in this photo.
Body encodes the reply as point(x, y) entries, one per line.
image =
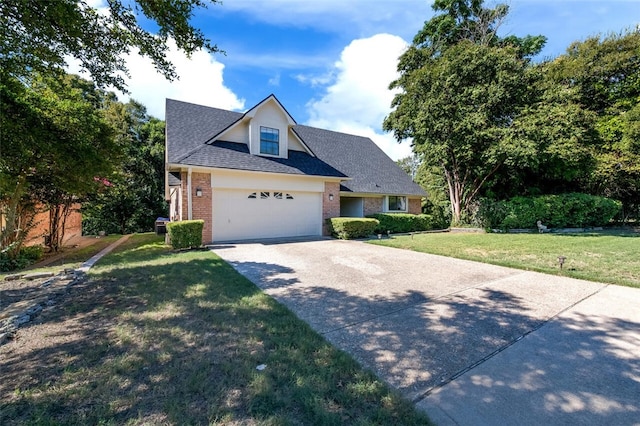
point(469, 343)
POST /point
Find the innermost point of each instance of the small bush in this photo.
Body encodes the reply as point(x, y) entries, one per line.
point(32, 253)
point(25, 257)
point(185, 234)
point(574, 210)
point(351, 227)
point(403, 222)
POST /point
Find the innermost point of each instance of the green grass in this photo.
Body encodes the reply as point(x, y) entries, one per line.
point(156, 336)
point(610, 257)
point(68, 257)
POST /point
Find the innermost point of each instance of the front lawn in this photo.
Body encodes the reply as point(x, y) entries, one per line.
point(610, 257)
point(159, 337)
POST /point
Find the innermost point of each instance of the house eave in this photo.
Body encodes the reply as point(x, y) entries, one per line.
point(203, 169)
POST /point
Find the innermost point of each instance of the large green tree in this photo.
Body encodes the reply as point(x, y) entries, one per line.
point(461, 88)
point(40, 35)
point(604, 72)
point(55, 141)
point(556, 136)
point(132, 197)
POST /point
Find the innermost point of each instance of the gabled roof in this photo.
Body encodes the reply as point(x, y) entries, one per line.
point(191, 126)
point(191, 140)
point(370, 169)
point(251, 113)
point(232, 155)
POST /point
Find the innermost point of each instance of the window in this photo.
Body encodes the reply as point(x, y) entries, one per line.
point(269, 141)
point(396, 203)
point(265, 195)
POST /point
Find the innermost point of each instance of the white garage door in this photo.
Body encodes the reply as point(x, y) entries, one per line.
point(245, 214)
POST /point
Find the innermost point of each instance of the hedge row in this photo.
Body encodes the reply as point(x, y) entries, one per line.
point(185, 234)
point(574, 210)
point(402, 222)
point(351, 227)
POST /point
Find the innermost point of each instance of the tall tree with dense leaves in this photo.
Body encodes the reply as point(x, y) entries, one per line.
point(461, 88)
point(605, 74)
point(557, 136)
point(132, 198)
point(40, 35)
point(55, 140)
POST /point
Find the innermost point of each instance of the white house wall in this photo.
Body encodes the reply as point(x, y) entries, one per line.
point(238, 133)
point(269, 115)
point(232, 179)
point(294, 142)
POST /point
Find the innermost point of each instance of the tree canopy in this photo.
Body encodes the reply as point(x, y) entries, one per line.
point(40, 35)
point(133, 196)
point(55, 141)
point(461, 89)
point(605, 73)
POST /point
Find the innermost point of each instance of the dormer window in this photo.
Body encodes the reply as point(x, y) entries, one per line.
point(269, 141)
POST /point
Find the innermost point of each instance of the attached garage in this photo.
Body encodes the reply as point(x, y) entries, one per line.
point(258, 174)
point(241, 214)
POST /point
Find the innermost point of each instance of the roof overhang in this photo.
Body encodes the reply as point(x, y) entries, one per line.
point(200, 169)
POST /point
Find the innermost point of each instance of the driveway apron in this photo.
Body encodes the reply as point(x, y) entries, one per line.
point(469, 343)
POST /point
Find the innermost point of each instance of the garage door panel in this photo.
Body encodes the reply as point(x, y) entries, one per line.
point(242, 214)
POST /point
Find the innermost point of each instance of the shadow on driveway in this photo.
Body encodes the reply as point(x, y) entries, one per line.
point(565, 367)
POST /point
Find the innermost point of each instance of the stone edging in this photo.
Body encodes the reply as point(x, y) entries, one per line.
point(26, 311)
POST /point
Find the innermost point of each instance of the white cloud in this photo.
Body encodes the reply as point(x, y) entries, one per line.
point(359, 98)
point(200, 78)
point(361, 17)
point(315, 80)
point(275, 80)
point(201, 82)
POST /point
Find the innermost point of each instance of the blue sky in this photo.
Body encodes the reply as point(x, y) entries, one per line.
point(330, 61)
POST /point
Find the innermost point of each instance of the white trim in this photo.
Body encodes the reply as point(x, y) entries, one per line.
point(375, 194)
point(197, 169)
point(386, 204)
point(189, 196)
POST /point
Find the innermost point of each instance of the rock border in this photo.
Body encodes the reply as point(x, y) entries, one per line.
point(24, 312)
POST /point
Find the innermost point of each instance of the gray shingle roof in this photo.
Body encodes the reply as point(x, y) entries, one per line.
point(231, 155)
point(174, 179)
point(370, 169)
point(191, 127)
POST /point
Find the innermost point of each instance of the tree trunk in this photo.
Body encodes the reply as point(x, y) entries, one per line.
point(12, 235)
point(455, 197)
point(58, 213)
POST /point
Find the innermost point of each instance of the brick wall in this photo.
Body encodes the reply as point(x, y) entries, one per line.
point(372, 205)
point(201, 208)
point(73, 227)
point(330, 208)
point(415, 205)
point(185, 195)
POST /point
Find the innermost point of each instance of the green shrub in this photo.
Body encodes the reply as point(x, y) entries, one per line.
point(402, 222)
point(25, 257)
point(351, 227)
point(185, 234)
point(572, 210)
point(32, 253)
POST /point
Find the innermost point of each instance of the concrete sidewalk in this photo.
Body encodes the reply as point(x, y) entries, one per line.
point(426, 324)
